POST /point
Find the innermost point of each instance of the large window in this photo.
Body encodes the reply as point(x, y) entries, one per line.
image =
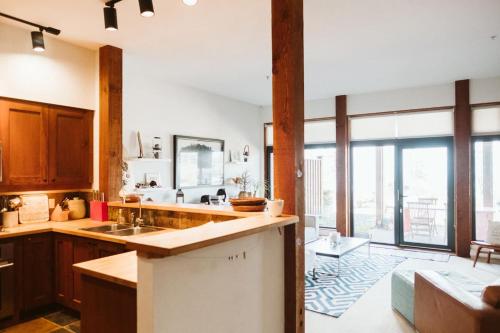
point(486, 163)
point(319, 170)
point(486, 184)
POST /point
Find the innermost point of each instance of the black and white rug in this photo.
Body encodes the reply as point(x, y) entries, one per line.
point(332, 295)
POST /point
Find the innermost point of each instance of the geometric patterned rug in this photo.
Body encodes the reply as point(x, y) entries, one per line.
point(332, 295)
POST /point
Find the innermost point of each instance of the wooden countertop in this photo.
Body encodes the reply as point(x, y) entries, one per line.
point(181, 241)
point(70, 228)
point(120, 269)
point(188, 208)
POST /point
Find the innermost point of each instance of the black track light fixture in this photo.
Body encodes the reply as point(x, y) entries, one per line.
point(36, 36)
point(146, 7)
point(110, 18)
point(37, 41)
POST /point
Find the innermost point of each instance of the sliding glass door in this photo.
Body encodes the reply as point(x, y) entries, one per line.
point(402, 192)
point(372, 180)
point(425, 193)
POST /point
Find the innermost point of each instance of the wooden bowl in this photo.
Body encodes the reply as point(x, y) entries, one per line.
point(254, 208)
point(248, 201)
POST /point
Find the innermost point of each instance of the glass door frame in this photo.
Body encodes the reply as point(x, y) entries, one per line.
point(399, 144)
point(372, 143)
point(477, 138)
point(426, 143)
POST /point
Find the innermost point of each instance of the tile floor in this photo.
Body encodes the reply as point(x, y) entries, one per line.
point(61, 321)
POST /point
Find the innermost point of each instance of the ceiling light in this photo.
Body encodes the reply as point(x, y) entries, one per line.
point(110, 20)
point(146, 7)
point(37, 41)
point(190, 2)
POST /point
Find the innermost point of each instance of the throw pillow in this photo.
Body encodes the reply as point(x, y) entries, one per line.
point(493, 234)
point(491, 294)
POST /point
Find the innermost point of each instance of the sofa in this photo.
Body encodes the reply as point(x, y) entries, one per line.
point(442, 306)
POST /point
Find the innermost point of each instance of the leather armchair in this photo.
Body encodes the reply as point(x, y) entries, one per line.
point(442, 307)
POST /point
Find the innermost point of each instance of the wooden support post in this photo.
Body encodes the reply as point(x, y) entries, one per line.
point(288, 136)
point(462, 148)
point(342, 143)
point(110, 125)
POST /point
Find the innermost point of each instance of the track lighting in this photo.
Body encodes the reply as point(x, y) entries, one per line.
point(146, 7)
point(37, 41)
point(110, 19)
point(36, 36)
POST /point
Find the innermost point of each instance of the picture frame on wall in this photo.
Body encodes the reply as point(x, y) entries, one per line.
point(198, 162)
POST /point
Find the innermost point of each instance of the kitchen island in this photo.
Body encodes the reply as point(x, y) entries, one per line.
point(233, 270)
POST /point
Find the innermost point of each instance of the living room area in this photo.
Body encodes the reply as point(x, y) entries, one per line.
point(401, 193)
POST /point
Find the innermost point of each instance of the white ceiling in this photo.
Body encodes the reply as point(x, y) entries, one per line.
point(351, 46)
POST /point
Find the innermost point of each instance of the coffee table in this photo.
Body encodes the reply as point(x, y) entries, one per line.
point(322, 247)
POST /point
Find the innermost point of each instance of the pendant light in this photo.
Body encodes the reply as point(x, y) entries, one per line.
point(37, 41)
point(110, 18)
point(146, 7)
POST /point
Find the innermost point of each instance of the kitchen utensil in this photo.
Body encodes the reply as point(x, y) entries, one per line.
point(10, 219)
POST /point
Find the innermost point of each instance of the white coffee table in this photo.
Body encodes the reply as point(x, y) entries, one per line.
point(322, 247)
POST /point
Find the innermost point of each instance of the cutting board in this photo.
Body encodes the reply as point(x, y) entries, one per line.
point(35, 208)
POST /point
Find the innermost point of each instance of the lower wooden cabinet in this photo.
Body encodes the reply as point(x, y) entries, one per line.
point(38, 268)
point(71, 250)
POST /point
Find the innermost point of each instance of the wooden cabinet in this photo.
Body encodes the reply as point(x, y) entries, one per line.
point(70, 133)
point(44, 146)
point(38, 270)
point(24, 140)
point(70, 250)
point(63, 269)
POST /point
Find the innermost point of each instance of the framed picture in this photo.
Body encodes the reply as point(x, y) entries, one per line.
point(198, 162)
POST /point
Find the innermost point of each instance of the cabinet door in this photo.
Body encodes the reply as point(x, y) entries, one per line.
point(64, 270)
point(24, 139)
point(70, 147)
point(37, 271)
point(106, 249)
point(83, 250)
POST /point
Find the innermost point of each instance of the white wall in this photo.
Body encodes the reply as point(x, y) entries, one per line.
point(64, 74)
point(481, 91)
point(203, 291)
point(156, 107)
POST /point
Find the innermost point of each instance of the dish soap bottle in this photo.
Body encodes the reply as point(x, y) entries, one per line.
point(179, 196)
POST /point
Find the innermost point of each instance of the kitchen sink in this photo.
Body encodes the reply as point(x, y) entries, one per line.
point(108, 228)
point(122, 229)
point(134, 231)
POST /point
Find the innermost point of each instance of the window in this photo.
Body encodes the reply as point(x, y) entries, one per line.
point(319, 170)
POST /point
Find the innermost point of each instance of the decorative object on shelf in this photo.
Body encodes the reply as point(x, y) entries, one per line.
point(152, 179)
point(141, 148)
point(244, 181)
point(275, 207)
point(246, 153)
point(248, 204)
point(157, 147)
point(179, 196)
point(198, 162)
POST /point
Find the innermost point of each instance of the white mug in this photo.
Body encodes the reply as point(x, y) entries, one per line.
point(275, 207)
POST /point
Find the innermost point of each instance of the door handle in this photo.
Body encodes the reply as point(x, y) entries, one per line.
point(10, 264)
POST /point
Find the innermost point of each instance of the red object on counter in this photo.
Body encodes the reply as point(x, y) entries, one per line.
point(99, 210)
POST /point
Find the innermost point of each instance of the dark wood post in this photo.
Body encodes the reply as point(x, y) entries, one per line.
point(462, 148)
point(342, 143)
point(110, 124)
point(288, 136)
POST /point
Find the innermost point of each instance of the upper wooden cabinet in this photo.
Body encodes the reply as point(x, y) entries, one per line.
point(44, 146)
point(24, 134)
